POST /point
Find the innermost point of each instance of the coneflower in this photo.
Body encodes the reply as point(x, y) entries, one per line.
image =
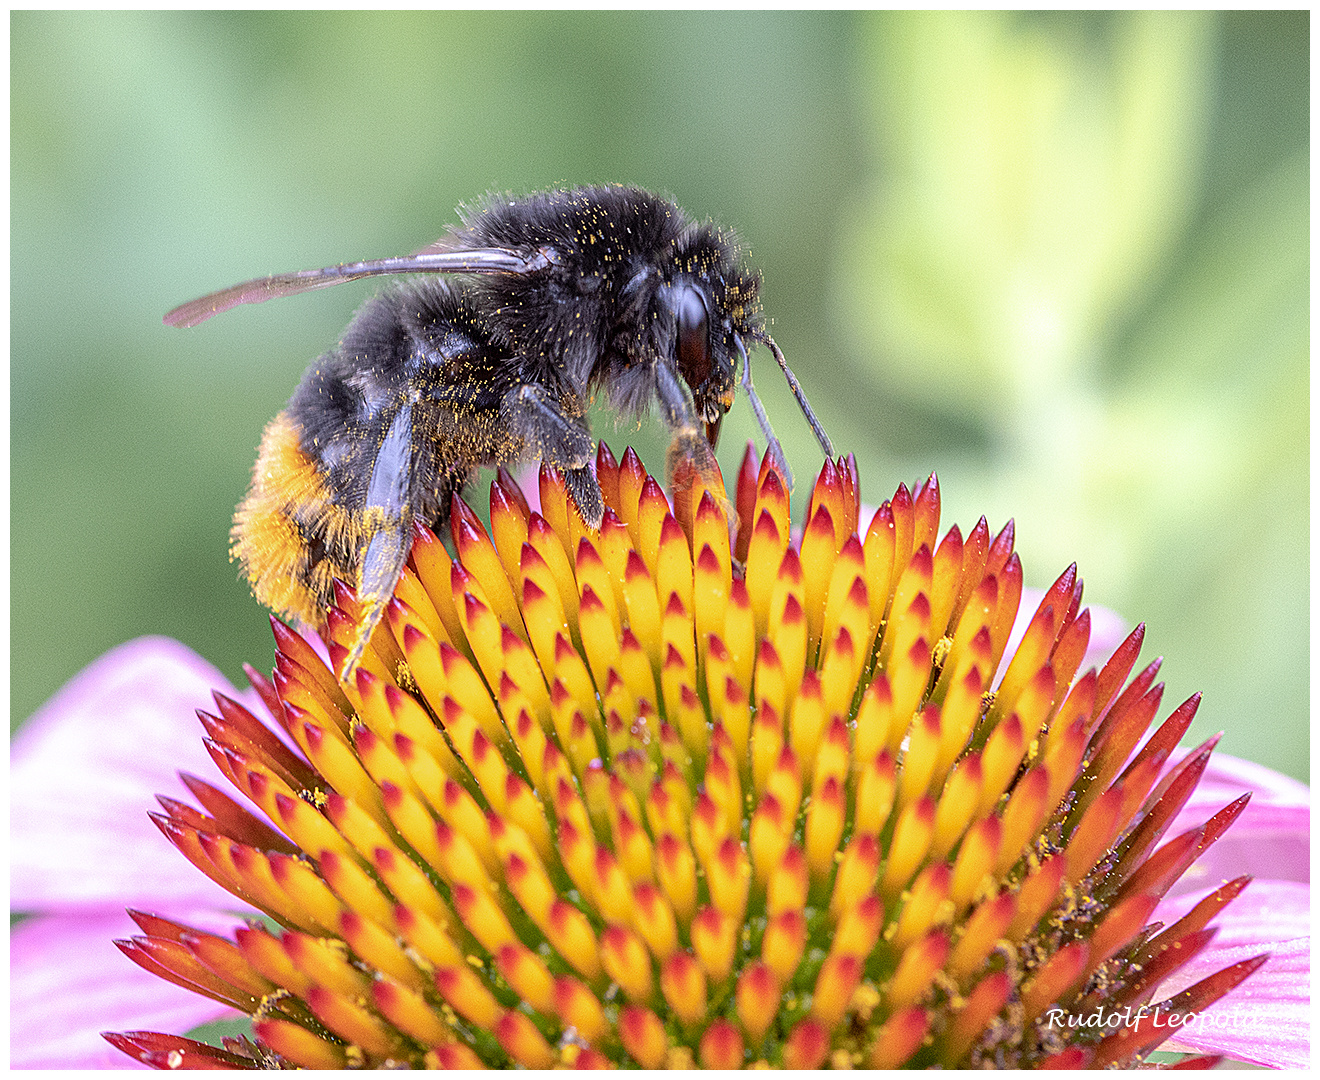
point(676, 792)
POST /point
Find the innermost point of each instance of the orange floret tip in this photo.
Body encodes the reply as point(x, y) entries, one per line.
point(607, 474)
point(984, 1002)
point(1166, 865)
point(1078, 1057)
point(632, 475)
point(976, 859)
point(917, 969)
point(745, 503)
point(785, 781)
point(785, 938)
point(654, 918)
point(912, 839)
point(1168, 958)
point(591, 1059)
point(769, 836)
point(643, 1036)
point(714, 940)
point(859, 928)
point(468, 994)
point(513, 494)
point(824, 827)
point(353, 1023)
point(300, 1046)
point(652, 510)
point(462, 516)
point(828, 486)
point(684, 987)
point(987, 924)
point(455, 1055)
point(626, 961)
point(721, 1046)
point(708, 562)
point(1168, 735)
point(170, 960)
point(673, 540)
point(898, 1038)
point(924, 903)
point(570, 933)
point(857, 872)
point(552, 490)
point(764, 554)
point(580, 1008)
point(1056, 976)
point(901, 509)
point(838, 978)
point(1168, 798)
point(710, 523)
point(807, 1046)
point(522, 1042)
point(174, 1051)
point(757, 999)
point(770, 490)
point(233, 820)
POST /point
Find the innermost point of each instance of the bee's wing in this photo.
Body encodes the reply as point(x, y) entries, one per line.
point(426, 261)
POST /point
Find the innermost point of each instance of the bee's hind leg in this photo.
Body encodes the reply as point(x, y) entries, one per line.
point(382, 566)
point(386, 524)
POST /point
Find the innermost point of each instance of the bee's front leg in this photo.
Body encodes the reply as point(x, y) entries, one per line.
point(690, 442)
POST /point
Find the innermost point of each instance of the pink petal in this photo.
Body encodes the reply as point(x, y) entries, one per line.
point(1227, 777)
point(1265, 912)
point(68, 983)
point(1271, 838)
point(84, 771)
point(1266, 1020)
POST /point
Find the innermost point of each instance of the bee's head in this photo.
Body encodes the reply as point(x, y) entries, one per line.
point(696, 309)
point(703, 353)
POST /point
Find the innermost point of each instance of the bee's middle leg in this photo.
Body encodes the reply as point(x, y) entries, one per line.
point(562, 441)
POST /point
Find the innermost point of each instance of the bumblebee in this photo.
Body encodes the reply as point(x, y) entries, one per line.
point(557, 296)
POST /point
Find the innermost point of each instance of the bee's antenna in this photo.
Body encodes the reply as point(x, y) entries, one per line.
point(796, 387)
point(776, 451)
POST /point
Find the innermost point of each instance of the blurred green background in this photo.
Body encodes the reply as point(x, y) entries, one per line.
point(1061, 259)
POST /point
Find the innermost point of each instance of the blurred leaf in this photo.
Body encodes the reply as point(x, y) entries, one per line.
point(1200, 408)
point(1036, 254)
point(1030, 178)
point(1210, 428)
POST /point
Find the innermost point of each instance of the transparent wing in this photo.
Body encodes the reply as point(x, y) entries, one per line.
point(427, 261)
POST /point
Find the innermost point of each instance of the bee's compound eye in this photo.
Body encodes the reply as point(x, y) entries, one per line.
point(693, 336)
